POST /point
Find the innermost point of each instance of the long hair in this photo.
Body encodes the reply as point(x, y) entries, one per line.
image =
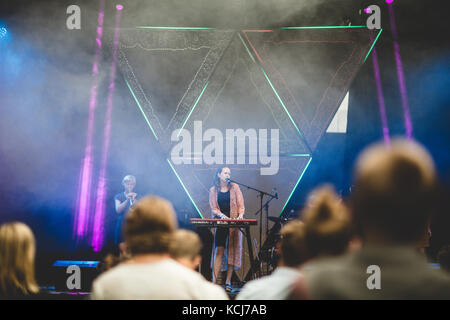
point(17, 252)
point(216, 181)
point(328, 223)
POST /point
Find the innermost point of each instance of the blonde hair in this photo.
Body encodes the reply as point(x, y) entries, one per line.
point(149, 226)
point(293, 249)
point(128, 178)
point(327, 223)
point(17, 252)
point(185, 244)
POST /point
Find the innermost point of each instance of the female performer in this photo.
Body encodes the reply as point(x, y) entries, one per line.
point(226, 201)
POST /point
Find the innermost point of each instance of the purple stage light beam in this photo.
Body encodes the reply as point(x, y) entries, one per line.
point(381, 103)
point(100, 204)
point(82, 210)
point(400, 74)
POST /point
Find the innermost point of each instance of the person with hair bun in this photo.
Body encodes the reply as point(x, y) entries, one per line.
point(17, 253)
point(328, 233)
point(328, 225)
point(393, 195)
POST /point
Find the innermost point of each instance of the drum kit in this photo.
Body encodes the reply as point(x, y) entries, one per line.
point(268, 253)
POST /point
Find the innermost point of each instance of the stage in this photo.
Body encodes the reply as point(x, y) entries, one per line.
point(283, 93)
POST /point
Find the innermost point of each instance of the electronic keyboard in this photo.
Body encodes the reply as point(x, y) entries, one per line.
point(223, 223)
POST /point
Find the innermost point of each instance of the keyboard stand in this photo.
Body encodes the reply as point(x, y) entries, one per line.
point(254, 270)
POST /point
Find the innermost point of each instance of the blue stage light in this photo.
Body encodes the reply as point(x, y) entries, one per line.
point(3, 32)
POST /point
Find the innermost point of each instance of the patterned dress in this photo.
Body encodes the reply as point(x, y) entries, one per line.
point(234, 245)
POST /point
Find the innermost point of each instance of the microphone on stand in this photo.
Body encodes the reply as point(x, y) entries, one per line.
point(228, 180)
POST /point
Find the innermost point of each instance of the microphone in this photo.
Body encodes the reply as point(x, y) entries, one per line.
point(228, 180)
point(131, 200)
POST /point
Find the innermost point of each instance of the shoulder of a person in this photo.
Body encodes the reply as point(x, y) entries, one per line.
point(213, 291)
point(436, 277)
point(112, 274)
point(250, 289)
point(182, 270)
point(208, 289)
point(321, 269)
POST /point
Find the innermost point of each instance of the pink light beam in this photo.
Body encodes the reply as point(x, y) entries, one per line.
point(82, 210)
point(97, 238)
point(381, 103)
point(400, 75)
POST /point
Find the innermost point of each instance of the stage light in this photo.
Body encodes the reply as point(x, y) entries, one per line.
point(400, 75)
point(381, 102)
point(100, 202)
point(4, 34)
point(367, 10)
point(83, 206)
point(389, 1)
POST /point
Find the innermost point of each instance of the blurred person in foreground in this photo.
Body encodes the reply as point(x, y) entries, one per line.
point(150, 272)
point(328, 233)
point(278, 285)
point(185, 248)
point(17, 253)
point(328, 225)
point(443, 258)
point(391, 204)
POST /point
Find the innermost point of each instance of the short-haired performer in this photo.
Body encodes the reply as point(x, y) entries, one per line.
point(124, 201)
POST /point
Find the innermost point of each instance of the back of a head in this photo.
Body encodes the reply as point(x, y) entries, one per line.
point(149, 226)
point(17, 252)
point(293, 249)
point(393, 191)
point(185, 244)
point(328, 227)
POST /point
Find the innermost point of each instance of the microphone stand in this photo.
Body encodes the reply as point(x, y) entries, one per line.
point(266, 206)
point(266, 209)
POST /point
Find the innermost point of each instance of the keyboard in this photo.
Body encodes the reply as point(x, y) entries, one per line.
point(223, 223)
